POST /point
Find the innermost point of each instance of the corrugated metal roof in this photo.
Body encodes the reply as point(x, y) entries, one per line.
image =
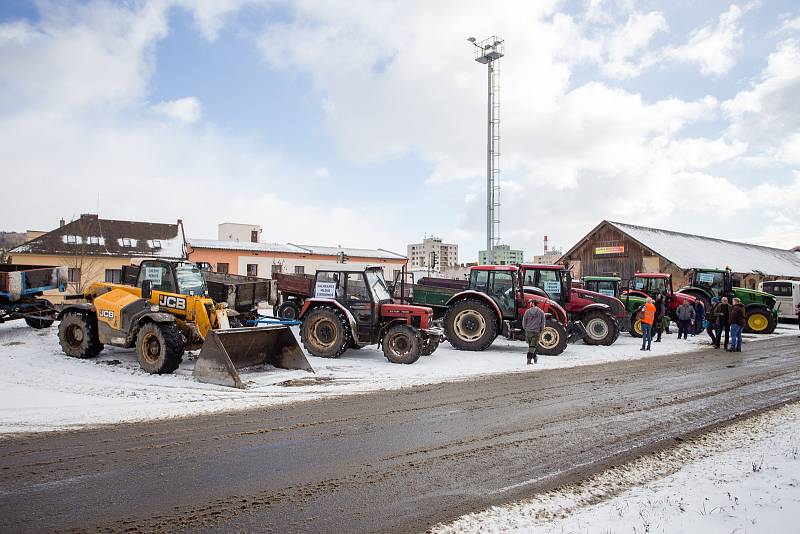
point(362, 252)
point(687, 251)
point(294, 248)
point(245, 246)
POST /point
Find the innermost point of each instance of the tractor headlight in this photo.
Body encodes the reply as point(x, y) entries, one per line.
point(154, 308)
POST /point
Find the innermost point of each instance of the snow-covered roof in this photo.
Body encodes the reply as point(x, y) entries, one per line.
point(361, 252)
point(294, 248)
point(244, 246)
point(91, 236)
point(688, 250)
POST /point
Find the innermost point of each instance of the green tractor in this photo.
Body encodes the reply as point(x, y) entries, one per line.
point(704, 284)
point(611, 286)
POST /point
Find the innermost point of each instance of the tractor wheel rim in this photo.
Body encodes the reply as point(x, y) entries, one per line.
point(470, 325)
point(597, 328)
point(637, 327)
point(400, 345)
point(549, 338)
point(74, 335)
point(757, 322)
point(324, 333)
point(152, 348)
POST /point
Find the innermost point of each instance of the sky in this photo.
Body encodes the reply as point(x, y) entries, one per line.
point(363, 123)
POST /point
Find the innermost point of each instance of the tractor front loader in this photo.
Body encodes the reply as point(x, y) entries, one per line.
point(166, 313)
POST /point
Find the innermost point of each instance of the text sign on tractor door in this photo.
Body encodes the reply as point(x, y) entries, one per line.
point(325, 290)
point(605, 251)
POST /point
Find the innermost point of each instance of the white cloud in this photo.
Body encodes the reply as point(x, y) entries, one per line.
point(211, 15)
point(789, 25)
point(713, 47)
point(629, 41)
point(184, 109)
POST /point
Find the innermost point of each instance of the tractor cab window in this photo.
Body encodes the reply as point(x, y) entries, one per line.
point(378, 286)
point(190, 279)
point(604, 287)
point(478, 280)
point(502, 291)
point(656, 286)
point(356, 288)
point(550, 281)
point(159, 274)
point(330, 285)
point(713, 282)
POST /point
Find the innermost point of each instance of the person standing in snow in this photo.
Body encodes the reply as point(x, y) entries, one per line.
point(648, 318)
point(699, 315)
point(712, 318)
point(661, 311)
point(685, 313)
point(737, 318)
point(723, 321)
point(533, 324)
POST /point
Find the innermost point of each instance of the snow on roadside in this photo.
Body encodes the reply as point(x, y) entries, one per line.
point(741, 478)
point(42, 389)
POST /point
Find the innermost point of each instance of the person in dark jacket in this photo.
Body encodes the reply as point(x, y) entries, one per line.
point(723, 321)
point(737, 318)
point(533, 324)
point(699, 315)
point(712, 318)
point(685, 313)
point(660, 303)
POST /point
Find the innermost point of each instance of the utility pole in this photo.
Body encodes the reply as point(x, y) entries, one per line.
point(487, 52)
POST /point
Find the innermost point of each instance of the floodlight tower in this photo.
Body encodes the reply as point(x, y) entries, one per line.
point(487, 52)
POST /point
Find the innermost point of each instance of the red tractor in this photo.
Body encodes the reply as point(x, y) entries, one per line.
point(650, 285)
point(352, 309)
point(494, 304)
point(603, 316)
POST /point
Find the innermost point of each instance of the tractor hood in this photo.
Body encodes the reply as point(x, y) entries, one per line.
point(750, 296)
point(616, 305)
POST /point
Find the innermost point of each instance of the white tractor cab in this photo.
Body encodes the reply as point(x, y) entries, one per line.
point(787, 295)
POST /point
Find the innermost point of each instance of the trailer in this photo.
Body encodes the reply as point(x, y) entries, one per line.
point(21, 289)
point(293, 290)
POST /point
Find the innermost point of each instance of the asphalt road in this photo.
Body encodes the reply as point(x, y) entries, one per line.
point(393, 461)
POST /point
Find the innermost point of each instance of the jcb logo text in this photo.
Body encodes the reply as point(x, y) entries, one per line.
point(172, 302)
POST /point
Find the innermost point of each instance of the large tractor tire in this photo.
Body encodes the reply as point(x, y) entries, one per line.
point(470, 325)
point(401, 344)
point(553, 339)
point(37, 323)
point(325, 332)
point(636, 326)
point(159, 348)
point(77, 335)
point(289, 310)
point(601, 328)
point(760, 321)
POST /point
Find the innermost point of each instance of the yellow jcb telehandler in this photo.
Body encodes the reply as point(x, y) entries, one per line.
point(163, 314)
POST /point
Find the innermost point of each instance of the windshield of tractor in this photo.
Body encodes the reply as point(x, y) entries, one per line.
point(378, 286)
point(604, 287)
point(710, 281)
point(651, 286)
point(550, 281)
point(190, 279)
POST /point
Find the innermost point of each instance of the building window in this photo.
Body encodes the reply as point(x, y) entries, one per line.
point(277, 268)
point(126, 242)
point(94, 240)
point(114, 276)
point(299, 269)
point(254, 236)
point(252, 269)
point(156, 243)
point(74, 275)
point(72, 239)
point(222, 268)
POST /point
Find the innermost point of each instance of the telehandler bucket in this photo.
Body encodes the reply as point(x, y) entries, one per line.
point(225, 351)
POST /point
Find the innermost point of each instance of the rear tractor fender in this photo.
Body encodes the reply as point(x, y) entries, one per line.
point(596, 307)
point(79, 308)
point(312, 303)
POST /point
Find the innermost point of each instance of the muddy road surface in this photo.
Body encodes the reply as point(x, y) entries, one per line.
point(393, 461)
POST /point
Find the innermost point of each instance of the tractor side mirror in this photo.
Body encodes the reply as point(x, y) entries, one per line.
point(147, 289)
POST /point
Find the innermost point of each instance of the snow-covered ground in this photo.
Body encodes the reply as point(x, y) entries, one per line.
point(42, 389)
point(744, 478)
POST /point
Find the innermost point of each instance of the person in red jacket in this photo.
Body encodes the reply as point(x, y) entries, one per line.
point(648, 317)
